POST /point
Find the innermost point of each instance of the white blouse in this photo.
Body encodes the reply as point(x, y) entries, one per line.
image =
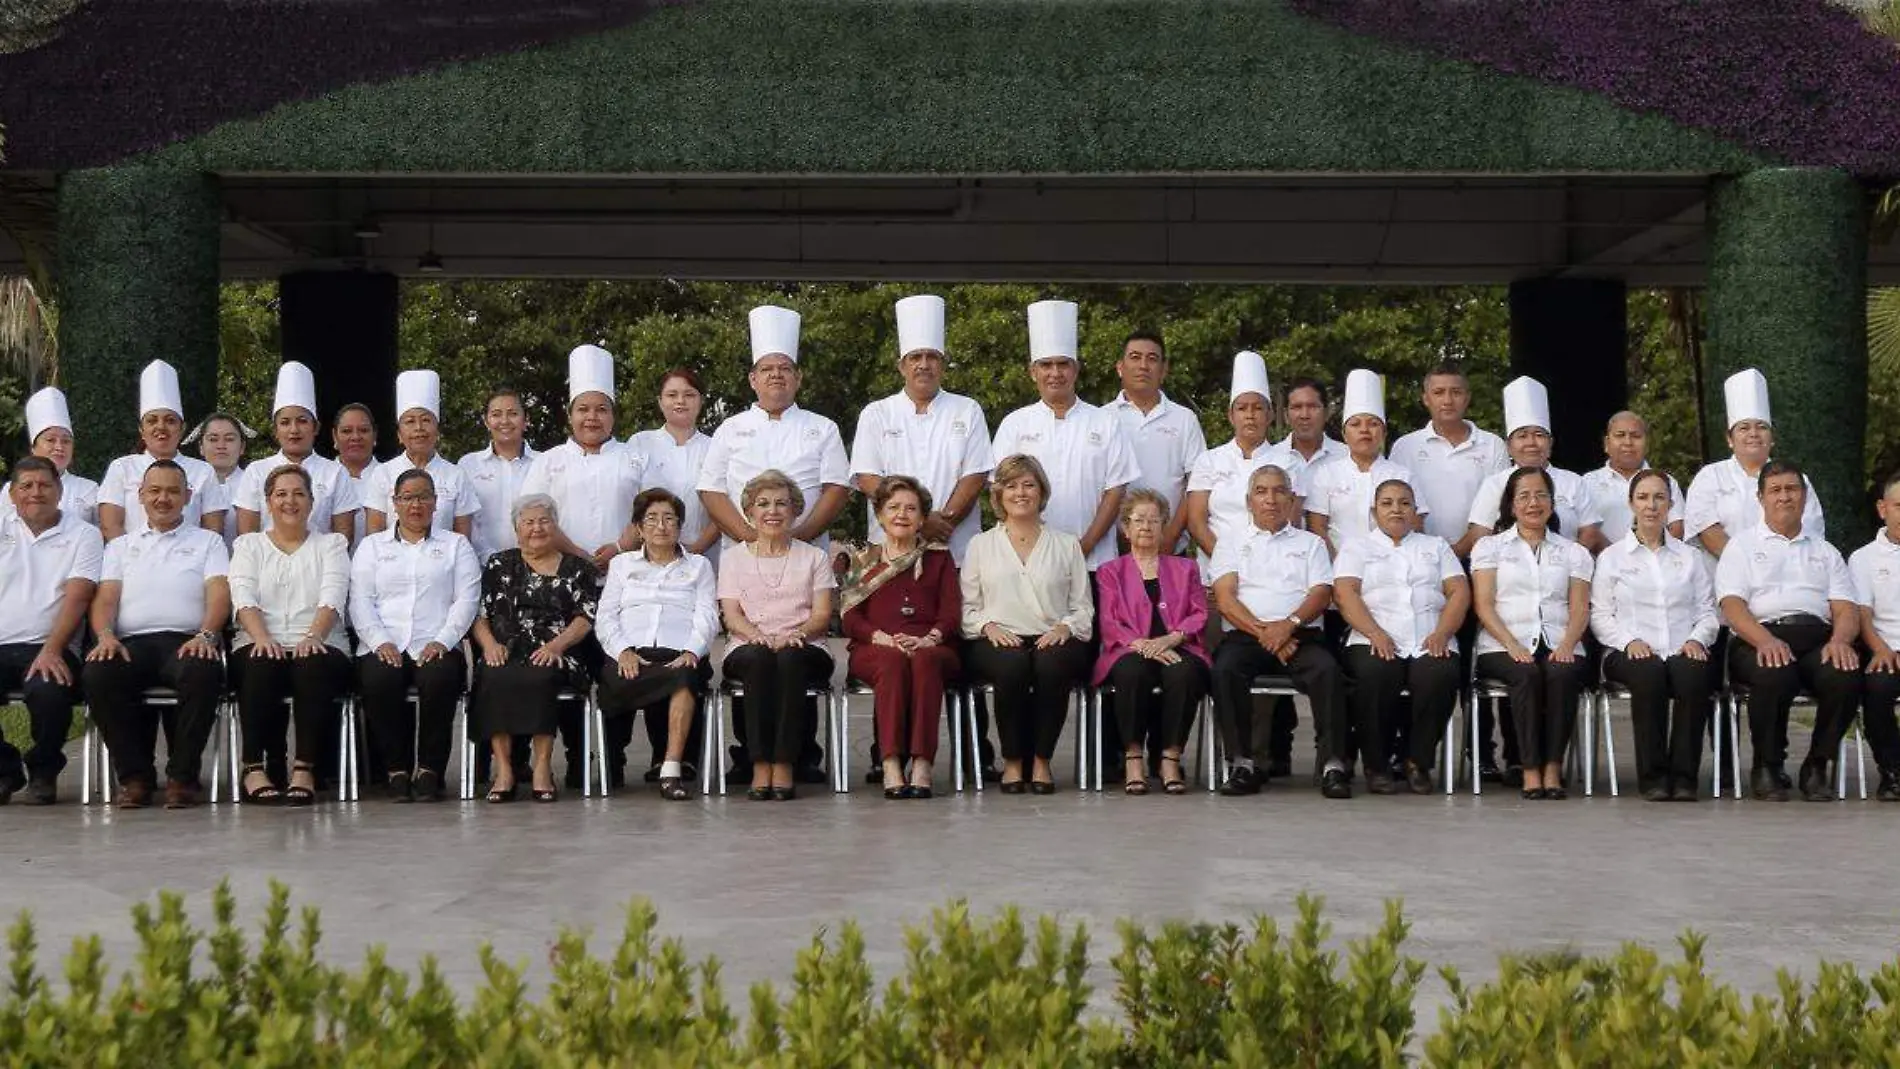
point(289, 588)
point(1026, 598)
point(409, 594)
point(1533, 586)
point(1663, 597)
point(673, 605)
point(1403, 585)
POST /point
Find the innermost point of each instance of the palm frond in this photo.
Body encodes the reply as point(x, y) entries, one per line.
point(29, 345)
point(31, 23)
point(1884, 18)
point(1883, 333)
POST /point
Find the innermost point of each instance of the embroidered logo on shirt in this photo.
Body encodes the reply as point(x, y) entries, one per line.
point(1095, 437)
point(959, 428)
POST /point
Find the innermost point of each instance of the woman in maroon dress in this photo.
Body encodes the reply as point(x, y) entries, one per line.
point(901, 612)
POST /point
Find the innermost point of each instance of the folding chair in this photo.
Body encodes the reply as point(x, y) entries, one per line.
point(589, 715)
point(1078, 706)
point(713, 755)
point(1203, 723)
point(1735, 697)
point(953, 712)
point(1574, 762)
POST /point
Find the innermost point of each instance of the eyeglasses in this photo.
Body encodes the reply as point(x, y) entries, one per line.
point(660, 519)
point(414, 499)
point(1531, 498)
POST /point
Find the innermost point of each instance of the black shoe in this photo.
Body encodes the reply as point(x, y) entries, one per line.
point(1682, 792)
point(1782, 779)
point(1513, 776)
point(784, 794)
point(1418, 779)
point(1279, 767)
point(652, 774)
point(9, 785)
point(810, 774)
point(1815, 785)
point(1766, 788)
point(1555, 794)
point(1335, 783)
point(1889, 786)
point(1241, 781)
point(1381, 783)
point(399, 787)
point(617, 777)
point(427, 786)
point(1488, 771)
point(42, 792)
point(1014, 786)
point(919, 793)
point(897, 793)
point(1039, 786)
point(874, 774)
point(759, 794)
point(1657, 794)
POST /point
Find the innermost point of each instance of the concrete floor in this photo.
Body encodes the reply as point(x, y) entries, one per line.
point(1772, 885)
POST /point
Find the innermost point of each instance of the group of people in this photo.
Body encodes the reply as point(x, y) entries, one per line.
point(1125, 555)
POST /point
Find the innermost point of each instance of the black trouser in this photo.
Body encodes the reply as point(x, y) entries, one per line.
point(776, 714)
point(49, 707)
point(115, 693)
point(1669, 709)
point(651, 692)
point(411, 738)
point(1772, 691)
point(1880, 693)
point(1161, 720)
point(1032, 691)
point(1377, 704)
point(1543, 701)
point(1241, 658)
point(313, 685)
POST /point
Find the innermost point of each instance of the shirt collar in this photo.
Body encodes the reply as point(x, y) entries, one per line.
point(489, 452)
point(1161, 402)
point(394, 532)
point(1885, 543)
point(788, 412)
point(1262, 532)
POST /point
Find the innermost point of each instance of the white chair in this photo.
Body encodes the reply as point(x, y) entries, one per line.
point(954, 714)
point(713, 753)
point(1203, 723)
point(1494, 691)
point(1733, 700)
point(1079, 706)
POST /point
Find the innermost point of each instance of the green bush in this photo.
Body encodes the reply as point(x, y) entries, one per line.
point(974, 992)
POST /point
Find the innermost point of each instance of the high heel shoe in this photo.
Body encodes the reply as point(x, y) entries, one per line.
point(784, 794)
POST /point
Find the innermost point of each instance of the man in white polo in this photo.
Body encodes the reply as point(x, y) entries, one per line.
point(1166, 436)
point(1450, 456)
point(1626, 452)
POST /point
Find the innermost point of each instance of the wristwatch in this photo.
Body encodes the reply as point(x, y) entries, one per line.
point(209, 638)
point(1294, 619)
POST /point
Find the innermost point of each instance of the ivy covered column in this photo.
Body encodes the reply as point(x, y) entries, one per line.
point(138, 281)
point(1788, 295)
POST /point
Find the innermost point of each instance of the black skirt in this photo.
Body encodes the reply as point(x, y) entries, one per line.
point(518, 699)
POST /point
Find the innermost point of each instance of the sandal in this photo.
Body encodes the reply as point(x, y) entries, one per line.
point(296, 795)
point(268, 794)
point(1137, 783)
point(548, 795)
point(1176, 784)
point(499, 795)
point(673, 789)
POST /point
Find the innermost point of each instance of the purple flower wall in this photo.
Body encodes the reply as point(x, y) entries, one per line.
point(1801, 80)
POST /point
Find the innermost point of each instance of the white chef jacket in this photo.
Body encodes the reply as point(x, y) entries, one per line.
point(676, 467)
point(1533, 588)
point(1277, 569)
point(496, 482)
point(1575, 508)
point(1342, 493)
point(410, 594)
point(1402, 584)
point(1085, 455)
point(1450, 474)
point(1167, 441)
point(1779, 576)
point(290, 588)
point(674, 606)
point(359, 491)
point(1875, 568)
point(938, 447)
point(1663, 597)
point(1723, 493)
point(804, 445)
point(1224, 473)
point(121, 487)
point(332, 491)
point(34, 571)
point(454, 496)
point(594, 491)
point(1610, 492)
point(162, 577)
point(228, 489)
point(78, 496)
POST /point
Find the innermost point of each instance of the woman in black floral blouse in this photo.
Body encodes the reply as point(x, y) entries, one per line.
point(537, 607)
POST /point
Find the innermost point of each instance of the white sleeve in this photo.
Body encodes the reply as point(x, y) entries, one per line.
point(112, 483)
point(867, 453)
point(1603, 622)
point(1860, 568)
point(363, 615)
point(1731, 573)
point(1698, 505)
point(976, 447)
point(1485, 506)
point(112, 567)
point(1840, 586)
point(537, 480)
point(712, 472)
point(1352, 560)
point(607, 610)
point(834, 467)
point(468, 595)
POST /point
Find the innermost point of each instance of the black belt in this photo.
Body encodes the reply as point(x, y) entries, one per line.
point(1797, 619)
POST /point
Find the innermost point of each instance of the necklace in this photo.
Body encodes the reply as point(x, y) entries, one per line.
point(770, 582)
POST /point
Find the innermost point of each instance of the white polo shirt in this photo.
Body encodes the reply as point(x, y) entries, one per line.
point(162, 576)
point(1329, 449)
point(676, 467)
point(1575, 508)
point(1224, 473)
point(332, 490)
point(1533, 587)
point(34, 571)
point(1341, 492)
point(1085, 455)
point(938, 447)
point(1450, 474)
point(1875, 568)
point(496, 482)
point(594, 491)
point(1610, 492)
point(1276, 569)
point(1723, 493)
point(78, 495)
point(410, 594)
point(1402, 584)
point(673, 605)
point(1663, 597)
point(454, 497)
point(804, 445)
point(1779, 576)
point(1167, 440)
point(121, 487)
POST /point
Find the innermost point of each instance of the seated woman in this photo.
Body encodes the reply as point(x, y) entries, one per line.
point(1152, 616)
point(1027, 618)
point(1531, 588)
point(413, 595)
point(901, 608)
point(775, 594)
point(289, 586)
point(537, 607)
point(658, 615)
point(1404, 594)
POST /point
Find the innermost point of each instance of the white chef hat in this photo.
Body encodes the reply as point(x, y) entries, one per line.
point(158, 390)
point(1526, 404)
point(919, 324)
point(1052, 331)
point(1250, 376)
point(1746, 393)
point(774, 332)
point(296, 388)
point(590, 369)
point(419, 389)
point(47, 409)
point(1365, 395)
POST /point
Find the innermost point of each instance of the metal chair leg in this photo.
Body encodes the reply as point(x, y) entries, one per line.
point(1860, 762)
point(842, 703)
point(1586, 755)
point(1210, 756)
point(1735, 747)
point(1094, 708)
point(706, 746)
point(975, 749)
point(719, 752)
point(601, 756)
point(1609, 748)
point(1471, 722)
point(1715, 750)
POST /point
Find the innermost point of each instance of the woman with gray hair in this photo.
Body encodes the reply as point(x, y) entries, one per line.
point(538, 605)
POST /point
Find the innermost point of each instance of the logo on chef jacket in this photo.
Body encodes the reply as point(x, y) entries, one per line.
point(1095, 437)
point(1883, 574)
point(484, 476)
point(1032, 438)
point(1761, 557)
point(435, 552)
point(960, 428)
point(746, 432)
point(893, 432)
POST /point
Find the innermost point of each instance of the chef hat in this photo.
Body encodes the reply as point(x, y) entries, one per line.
point(419, 389)
point(1365, 395)
point(296, 388)
point(158, 390)
point(1747, 395)
point(45, 409)
point(1052, 331)
point(919, 324)
point(590, 369)
point(1250, 376)
point(774, 333)
point(1526, 404)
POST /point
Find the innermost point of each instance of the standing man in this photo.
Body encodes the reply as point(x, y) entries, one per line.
point(1306, 414)
point(1450, 456)
point(1626, 452)
point(333, 496)
point(496, 473)
point(1527, 434)
point(49, 567)
point(1165, 436)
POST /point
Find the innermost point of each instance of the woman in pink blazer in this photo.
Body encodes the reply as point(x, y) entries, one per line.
point(1151, 616)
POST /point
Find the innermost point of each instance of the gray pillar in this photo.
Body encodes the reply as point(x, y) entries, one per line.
point(1788, 295)
point(1572, 335)
point(342, 324)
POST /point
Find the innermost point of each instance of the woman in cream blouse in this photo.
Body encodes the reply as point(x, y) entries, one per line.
point(1028, 618)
